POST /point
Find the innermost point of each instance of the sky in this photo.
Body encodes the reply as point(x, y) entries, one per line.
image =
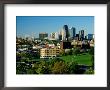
point(33, 25)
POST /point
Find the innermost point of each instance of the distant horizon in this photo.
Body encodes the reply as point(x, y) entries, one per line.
point(27, 26)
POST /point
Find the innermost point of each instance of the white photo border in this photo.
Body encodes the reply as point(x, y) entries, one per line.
point(99, 79)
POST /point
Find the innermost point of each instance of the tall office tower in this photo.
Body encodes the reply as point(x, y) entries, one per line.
point(69, 38)
point(60, 35)
point(85, 35)
point(69, 29)
point(65, 29)
point(56, 35)
point(81, 35)
point(43, 35)
point(73, 32)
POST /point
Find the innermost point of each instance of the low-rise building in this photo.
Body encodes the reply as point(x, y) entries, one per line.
point(49, 52)
point(92, 43)
point(65, 45)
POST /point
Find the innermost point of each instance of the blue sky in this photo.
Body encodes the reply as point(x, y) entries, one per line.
point(33, 25)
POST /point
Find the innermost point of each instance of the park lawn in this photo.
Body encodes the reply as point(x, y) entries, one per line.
point(80, 59)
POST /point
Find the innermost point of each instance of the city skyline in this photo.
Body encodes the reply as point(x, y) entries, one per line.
point(33, 25)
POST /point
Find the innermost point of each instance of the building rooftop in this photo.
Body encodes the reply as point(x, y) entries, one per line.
point(43, 33)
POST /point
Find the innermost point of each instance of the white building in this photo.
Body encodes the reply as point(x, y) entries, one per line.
point(54, 36)
point(63, 34)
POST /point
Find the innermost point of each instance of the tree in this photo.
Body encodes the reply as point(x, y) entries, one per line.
point(62, 52)
point(21, 68)
point(59, 68)
point(31, 71)
point(91, 51)
point(73, 67)
point(35, 54)
point(92, 60)
point(70, 52)
point(76, 51)
point(18, 57)
point(42, 68)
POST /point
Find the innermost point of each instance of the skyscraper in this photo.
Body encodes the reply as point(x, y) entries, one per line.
point(63, 33)
point(60, 35)
point(81, 35)
point(65, 29)
point(73, 32)
point(56, 35)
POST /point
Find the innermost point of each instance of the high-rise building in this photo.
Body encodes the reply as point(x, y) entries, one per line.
point(43, 35)
point(63, 33)
point(66, 30)
point(56, 35)
point(60, 37)
point(85, 35)
point(73, 32)
point(81, 35)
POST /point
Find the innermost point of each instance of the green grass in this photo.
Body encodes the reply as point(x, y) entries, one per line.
point(84, 58)
point(80, 59)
